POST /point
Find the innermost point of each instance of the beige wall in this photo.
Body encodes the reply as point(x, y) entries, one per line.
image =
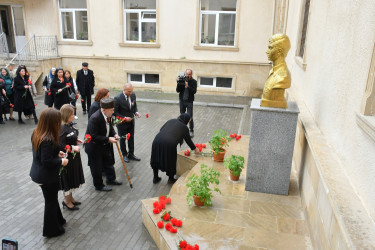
point(339, 44)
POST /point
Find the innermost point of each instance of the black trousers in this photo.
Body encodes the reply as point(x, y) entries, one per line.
point(86, 99)
point(123, 131)
point(98, 165)
point(187, 106)
point(53, 219)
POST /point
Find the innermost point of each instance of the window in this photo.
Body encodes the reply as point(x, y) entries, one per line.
point(303, 28)
point(218, 22)
point(144, 78)
point(218, 82)
point(140, 21)
point(73, 20)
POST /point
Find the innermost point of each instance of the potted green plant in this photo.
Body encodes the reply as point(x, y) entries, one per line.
point(199, 186)
point(235, 164)
point(218, 142)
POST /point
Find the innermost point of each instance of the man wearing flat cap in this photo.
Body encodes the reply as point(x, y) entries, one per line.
point(85, 82)
point(100, 149)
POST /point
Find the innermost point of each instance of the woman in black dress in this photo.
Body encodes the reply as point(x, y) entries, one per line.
point(47, 160)
point(59, 89)
point(72, 177)
point(23, 101)
point(164, 146)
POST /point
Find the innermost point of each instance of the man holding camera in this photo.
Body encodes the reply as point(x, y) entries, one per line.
point(187, 87)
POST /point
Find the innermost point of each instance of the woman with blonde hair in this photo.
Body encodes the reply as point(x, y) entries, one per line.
point(47, 160)
point(72, 177)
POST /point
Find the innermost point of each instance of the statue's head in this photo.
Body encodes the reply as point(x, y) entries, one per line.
point(278, 46)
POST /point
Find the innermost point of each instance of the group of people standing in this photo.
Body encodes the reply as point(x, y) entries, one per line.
point(56, 145)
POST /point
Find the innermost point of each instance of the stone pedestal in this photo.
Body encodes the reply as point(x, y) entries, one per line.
point(271, 145)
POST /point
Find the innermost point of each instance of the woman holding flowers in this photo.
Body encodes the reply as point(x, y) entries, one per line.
point(48, 97)
point(164, 146)
point(23, 101)
point(60, 88)
point(72, 177)
point(8, 80)
point(47, 159)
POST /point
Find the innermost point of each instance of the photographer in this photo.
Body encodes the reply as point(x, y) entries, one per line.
point(187, 87)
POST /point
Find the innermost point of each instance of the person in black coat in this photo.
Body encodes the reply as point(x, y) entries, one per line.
point(102, 93)
point(23, 101)
point(100, 149)
point(164, 146)
point(48, 97)
point(85, 82)
point(126, 107)
point(47, 160)
point(59, 89)
point(187, 88)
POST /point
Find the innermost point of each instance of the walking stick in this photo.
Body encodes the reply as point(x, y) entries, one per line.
point(123, 163)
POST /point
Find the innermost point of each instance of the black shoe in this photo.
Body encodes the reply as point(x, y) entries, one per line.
point(21, 122)
point(191, 133)
point(55, 235)
point(156, 180)
point(2, 122)
point(84, 112)
point(172, 180)
point(11, 119)
point(126, 159)
point(69, 208)
point(77, 203)
point(36, 121)
point(115, 182)
point(133, 157)
point(5, 118)
point(104, 188)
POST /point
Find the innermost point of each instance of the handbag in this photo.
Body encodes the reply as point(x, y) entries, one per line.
point(72, 96)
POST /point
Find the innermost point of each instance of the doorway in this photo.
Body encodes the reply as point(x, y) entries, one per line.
point(6, 26)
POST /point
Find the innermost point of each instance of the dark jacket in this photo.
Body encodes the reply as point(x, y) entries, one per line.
point(62, 97)
point(21, 103)
point(192, 83)
point(95, 106)
point(46, 164)
point(99, 144)
point(85, 84)
point(122, 108)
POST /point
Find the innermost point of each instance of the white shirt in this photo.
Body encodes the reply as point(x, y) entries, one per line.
point(85, 72)
point(107, 124)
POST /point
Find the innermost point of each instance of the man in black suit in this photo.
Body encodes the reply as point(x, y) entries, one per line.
point(100, 148)
point(187, 87)
point(126, 106)
point(85, 81)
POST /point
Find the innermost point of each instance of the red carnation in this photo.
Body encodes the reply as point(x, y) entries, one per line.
point(162, 204)
point(189, 247)
point(147, 115)
point(87, 138)
point(49, 93)
point(183, 244)
point(196, 247)
point(160, 224)
point(204, 145)
point(166, 217)
point(35, 104)
point(128, 136)
point(168, 200)
point(156, 210)
point(238, 137)
point(178, 223)
point(173, 221)
point(68, 149)
point(168, 226)
point(82, 100)
point(155, 204)
point(68, 84)
point(77, 96)
point(173, 230)
point(162, 197)
point(29, 81)
point(1, 80)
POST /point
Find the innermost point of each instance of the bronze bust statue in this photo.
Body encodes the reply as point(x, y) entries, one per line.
point(279, 76)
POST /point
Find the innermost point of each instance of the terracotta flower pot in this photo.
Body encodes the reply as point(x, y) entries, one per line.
point(233, 177)
point(220, 156)
point(197, 201)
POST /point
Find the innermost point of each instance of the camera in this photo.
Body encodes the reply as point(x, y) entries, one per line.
point(182, 78)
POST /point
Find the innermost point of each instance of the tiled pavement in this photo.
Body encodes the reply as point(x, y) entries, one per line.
point(105, 220)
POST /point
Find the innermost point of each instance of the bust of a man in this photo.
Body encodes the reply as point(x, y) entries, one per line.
point(279, 76)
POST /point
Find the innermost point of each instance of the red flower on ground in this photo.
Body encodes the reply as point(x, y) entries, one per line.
point(160, 224)
point(173, 221)
point(183, 244)
point(161, 204)
point(173, 230)
point(238, 137)
point(155, 204)
point(162, 197)
point(168, 226)
point(204, 145)
point(166, 216)
point(179, 223)
point(147, 115)
point(168, 200)
point(156, 210)
point(127, 136)
point(196, 247)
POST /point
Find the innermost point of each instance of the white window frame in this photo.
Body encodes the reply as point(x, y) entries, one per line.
point(141, 20)
point(143, 78)
point(71, 10)
point(214, 82)
point(217, 15)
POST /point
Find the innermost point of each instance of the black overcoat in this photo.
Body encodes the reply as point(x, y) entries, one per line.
point(22, 103)
point(85, 83)
point(62, 97)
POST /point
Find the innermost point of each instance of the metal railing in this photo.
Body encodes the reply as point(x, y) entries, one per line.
point(4, 51)
point(38, 47)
